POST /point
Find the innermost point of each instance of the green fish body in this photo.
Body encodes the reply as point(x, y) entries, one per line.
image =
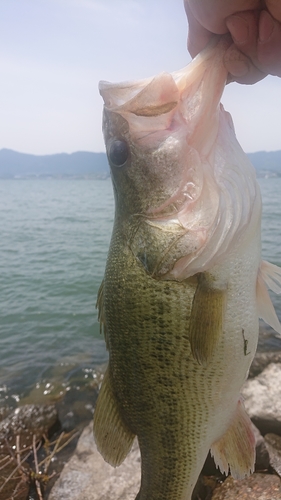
point(184, 285)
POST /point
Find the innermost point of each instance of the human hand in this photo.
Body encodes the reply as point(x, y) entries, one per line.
point(255, 28)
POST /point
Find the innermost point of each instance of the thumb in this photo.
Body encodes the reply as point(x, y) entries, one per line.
point(198, 36)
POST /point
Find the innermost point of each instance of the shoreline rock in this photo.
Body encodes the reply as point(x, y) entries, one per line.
point(262, 360)
point(256, 487)
point(262, 399)
point(88, 477)
point(25, 421)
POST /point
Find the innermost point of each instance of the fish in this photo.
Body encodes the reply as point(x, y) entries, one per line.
point(184, 283)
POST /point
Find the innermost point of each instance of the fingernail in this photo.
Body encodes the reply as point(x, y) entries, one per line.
point(266, 26)
point(238, 28)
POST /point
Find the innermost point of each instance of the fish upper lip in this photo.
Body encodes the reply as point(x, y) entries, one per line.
point(163, 92)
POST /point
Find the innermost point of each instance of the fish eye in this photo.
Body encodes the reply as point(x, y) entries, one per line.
point(118, 153)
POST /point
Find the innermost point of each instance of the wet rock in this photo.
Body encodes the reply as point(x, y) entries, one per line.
point(256, 487)
point(204, 487)
point(262, 399)
point(262, 455)
point(26, 421)
point(273, 444)
point(54, 389)
point(4, 411)
point(87, 477)
point(262, 360)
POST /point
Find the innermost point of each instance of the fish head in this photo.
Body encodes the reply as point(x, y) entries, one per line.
point(144, 153)
point(161, 137)
point(152, 129)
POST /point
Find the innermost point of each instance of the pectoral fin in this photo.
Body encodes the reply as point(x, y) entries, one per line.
point(269, 276)
point(113, 438)
point(236, 450)
point(206, 320)
point(101, 315)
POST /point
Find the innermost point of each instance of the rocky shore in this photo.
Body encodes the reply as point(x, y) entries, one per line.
point(21, 434)
point(85, 476)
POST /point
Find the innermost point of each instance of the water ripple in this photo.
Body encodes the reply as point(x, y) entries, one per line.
point(54, 241)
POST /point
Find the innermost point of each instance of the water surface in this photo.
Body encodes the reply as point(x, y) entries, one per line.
point(54, 241)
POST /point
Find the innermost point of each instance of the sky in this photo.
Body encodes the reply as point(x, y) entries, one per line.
point(54, 52)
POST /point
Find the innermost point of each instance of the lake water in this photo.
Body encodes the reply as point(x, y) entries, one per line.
point(54, 240)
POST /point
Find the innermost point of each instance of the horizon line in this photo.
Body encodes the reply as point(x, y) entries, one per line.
point(104, 152)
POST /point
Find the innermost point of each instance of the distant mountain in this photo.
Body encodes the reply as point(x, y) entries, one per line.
point(14, 164)
point(95, 165)
point(266, 163)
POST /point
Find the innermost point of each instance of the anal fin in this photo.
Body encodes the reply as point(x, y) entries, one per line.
point(206, 320)
point(236, 451)
point(113, 438)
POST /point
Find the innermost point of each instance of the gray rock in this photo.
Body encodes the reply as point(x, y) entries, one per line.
point(273, 444)
point(25, 421)
point(262, 454)
point(256, 487)
point(262, 399)
point(262, 360)
point(87, 477)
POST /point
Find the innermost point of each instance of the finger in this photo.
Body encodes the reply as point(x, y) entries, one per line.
point(243, 27)
point(212, 14)
point(269, 44)
point(274, 8)
point(258, 36)
point(198, 36)
point(240, 67)
point(241, 57)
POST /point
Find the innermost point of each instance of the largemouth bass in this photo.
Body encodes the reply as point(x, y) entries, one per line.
point(184, 284)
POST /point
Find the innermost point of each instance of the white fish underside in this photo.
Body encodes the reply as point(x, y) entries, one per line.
point(207, 195)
